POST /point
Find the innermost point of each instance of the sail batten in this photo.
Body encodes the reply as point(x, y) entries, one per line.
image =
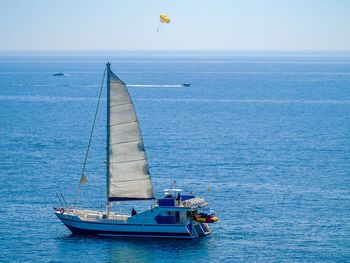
point(128, 176)
point(120, 104)
point(115, 124)
point(135, 160)
point(124, 142)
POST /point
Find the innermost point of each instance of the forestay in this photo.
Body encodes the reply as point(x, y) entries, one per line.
point(127, 172)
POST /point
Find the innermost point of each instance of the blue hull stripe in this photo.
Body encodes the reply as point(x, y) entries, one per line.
point(89, 222)
point(75, 230)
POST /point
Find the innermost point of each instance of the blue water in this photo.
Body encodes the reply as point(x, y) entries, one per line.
point(268, 133)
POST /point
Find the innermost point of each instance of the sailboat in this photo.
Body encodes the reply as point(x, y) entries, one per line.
point(128, 179)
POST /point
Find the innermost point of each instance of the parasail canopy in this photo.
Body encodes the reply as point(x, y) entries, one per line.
point(164, 18)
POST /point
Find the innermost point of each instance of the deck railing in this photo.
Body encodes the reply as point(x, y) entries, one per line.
point(91, 215)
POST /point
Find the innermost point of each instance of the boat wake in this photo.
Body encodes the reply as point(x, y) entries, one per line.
point(248, 101)
point(155, 86)
point(36, 98)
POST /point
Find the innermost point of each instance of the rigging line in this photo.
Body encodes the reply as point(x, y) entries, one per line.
point(91, 133)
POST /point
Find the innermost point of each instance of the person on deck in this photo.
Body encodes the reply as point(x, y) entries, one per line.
point(133, 212)
point(178, 198)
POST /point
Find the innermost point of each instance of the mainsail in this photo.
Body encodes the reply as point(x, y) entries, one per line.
point(127, 169)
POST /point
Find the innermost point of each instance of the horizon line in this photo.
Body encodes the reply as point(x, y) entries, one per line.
point(175, 50)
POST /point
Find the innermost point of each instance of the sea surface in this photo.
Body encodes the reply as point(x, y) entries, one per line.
point(264, 137)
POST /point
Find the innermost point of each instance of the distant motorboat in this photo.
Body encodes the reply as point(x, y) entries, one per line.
point(186, 84)
point(59, 74)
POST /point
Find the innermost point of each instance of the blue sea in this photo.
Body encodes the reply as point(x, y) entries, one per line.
point(263, 136)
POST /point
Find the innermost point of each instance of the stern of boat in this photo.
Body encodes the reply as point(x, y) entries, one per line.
point(202, 229)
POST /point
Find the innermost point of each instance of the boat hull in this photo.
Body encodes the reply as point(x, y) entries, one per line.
point(81, 227)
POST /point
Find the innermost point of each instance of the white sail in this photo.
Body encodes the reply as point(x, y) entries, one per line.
point(127, 172)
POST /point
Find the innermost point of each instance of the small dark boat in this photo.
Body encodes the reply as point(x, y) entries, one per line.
point(186, 84)
point(59, 74)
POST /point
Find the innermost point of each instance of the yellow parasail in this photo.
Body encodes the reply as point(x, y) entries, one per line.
point(164, 18)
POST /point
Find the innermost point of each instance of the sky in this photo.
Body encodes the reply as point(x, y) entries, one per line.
point(81, 25)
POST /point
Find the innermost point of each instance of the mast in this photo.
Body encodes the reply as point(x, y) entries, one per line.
point(108, 65)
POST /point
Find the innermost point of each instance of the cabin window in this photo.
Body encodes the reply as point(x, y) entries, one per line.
point(165, 219)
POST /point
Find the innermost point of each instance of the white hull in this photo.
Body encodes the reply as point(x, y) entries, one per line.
point(120, 228)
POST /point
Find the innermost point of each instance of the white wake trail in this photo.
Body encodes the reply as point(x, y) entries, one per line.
point(155, 86)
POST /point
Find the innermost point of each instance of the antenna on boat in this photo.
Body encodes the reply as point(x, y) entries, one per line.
point(83, 178)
